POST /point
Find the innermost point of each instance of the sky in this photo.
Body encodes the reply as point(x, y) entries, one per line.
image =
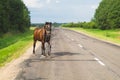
point(61, 11)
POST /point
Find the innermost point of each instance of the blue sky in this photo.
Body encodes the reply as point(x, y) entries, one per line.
point(61, 10)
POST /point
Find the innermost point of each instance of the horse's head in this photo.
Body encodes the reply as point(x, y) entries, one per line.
point(48, 26)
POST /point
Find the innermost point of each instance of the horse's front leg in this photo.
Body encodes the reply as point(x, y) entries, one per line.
point(49, 48)
point(43, 49)
point(34, 44)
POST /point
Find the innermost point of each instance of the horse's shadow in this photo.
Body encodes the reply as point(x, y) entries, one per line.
point(58, 54)
point(56, 57)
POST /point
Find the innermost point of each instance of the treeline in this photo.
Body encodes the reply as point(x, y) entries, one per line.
point(14, 16)
point(37, 24)
point(87, 25)
point(54, 24)
point(107, 16)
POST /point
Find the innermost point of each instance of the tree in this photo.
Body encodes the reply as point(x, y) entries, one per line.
point(107, 15)
point(14, 16)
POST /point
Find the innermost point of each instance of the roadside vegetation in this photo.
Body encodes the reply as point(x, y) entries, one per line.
point(14, 45)
point(112, 36)
point(105, 24)
point(15, 35)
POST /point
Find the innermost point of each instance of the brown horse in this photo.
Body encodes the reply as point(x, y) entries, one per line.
point(44, 35)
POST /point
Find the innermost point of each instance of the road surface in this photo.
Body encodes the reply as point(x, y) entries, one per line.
point(74, 57)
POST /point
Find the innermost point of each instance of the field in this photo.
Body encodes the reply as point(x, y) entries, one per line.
point(14, 45)
point(112, 36)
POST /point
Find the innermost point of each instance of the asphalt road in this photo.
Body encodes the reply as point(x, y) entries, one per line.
point(74, 56)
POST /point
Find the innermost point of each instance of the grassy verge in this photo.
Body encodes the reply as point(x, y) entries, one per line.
point(107, 35)
point(13, 46)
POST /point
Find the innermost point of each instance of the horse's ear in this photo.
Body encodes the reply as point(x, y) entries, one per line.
point(46, 22)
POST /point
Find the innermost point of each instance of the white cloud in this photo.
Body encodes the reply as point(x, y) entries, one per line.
point(57, 1)
point(33, 3)
point(48, 1)
point(61, 10)
point(94, 6)
point(39, 3)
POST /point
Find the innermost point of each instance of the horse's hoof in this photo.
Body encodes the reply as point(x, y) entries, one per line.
point(43, 54)
point(33, 52)
point(49, 54)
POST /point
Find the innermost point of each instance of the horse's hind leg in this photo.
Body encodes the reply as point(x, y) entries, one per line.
point(34, 44)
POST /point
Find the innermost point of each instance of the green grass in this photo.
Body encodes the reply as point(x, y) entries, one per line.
point(112, 36)
point(12, 46)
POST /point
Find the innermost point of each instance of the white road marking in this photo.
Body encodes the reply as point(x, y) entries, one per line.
point(96, 59)
point(80, 45)
point(100, 62)
point(72, 39)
